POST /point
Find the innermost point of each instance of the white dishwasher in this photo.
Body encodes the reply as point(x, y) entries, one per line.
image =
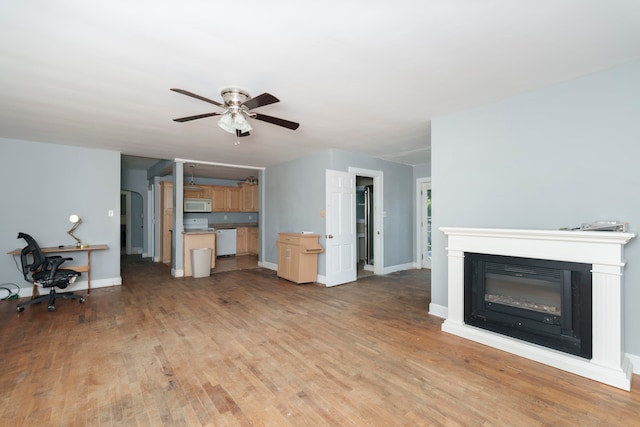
point(225, 241)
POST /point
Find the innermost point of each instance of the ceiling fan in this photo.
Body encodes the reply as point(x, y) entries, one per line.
point(237, 106)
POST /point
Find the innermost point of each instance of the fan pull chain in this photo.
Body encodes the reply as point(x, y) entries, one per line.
point(237, 139)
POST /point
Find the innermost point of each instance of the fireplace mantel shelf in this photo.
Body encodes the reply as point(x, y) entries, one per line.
point(602, 249)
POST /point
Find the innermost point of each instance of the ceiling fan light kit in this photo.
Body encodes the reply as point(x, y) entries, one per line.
point(237, 106)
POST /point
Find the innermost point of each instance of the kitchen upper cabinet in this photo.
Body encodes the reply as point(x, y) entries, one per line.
point(226, 199)
point(249, 197)
point(203, 193)
point(234, 199)
point(218, 199)
point(243, 198)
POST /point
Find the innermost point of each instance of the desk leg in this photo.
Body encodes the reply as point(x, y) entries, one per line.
point(88, 272)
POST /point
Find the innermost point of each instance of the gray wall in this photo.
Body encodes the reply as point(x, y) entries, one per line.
point(43, 184)
point(556, 157)
point(295, 197)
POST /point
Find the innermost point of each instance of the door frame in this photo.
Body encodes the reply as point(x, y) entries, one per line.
point(420, 255)
point(378, 214)
point(127, 219)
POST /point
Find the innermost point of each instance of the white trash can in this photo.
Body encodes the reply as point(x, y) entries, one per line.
point(201, 262)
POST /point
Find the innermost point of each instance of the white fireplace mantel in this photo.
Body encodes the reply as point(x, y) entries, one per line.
point(602, 249)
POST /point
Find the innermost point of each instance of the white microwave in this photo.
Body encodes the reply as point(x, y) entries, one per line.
point(197, 205)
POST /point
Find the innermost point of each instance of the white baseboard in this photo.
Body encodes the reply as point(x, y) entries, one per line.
point(635, 362)
point(437, 310)
point(80, 285)
point(399, 267)
point(269, 265)
point(442, 312)
point(177, 273)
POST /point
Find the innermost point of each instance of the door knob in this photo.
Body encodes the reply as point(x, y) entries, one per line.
point(329, 236)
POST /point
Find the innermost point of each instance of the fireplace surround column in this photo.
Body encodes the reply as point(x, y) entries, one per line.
point(602, 249)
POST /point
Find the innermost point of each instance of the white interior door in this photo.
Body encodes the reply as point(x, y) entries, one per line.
point(340, 235)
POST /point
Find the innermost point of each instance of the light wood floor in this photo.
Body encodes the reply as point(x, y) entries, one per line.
point(246, 348)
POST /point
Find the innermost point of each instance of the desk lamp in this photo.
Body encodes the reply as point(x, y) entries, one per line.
point(76, 221)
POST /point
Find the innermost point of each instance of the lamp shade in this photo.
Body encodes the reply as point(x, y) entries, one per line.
point(231, 122)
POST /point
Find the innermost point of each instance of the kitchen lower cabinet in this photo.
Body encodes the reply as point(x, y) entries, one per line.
point(252, 241)
point(197, 240)
point(242, 247)
point(298, 257)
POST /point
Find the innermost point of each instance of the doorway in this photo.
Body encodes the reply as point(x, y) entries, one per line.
point(365, 225)
point(125, 222)
point(341, 240)
point(369, 221)
point(423, 222)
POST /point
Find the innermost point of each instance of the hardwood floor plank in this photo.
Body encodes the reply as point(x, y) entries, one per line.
point(245, 348)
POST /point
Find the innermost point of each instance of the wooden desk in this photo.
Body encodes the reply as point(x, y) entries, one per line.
point(82, 268)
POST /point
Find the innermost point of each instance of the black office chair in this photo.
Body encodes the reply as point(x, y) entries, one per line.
point(45, 272)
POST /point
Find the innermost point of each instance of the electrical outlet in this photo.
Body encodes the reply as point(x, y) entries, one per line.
point(225, 217)
point(110, 213)
point(250, 217)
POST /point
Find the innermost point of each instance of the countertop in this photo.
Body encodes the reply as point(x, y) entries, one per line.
point(233, 225)
point(199, 232)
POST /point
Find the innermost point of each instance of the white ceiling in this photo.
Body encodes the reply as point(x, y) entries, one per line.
point(360, 75)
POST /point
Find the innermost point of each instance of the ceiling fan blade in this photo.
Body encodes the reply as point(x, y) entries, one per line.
point(260, 100)
point(201, 98)
point(277, 121)
point(199, 116)
point(240, 134)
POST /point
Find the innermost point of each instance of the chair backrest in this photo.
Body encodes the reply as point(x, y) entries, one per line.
point(31, 252)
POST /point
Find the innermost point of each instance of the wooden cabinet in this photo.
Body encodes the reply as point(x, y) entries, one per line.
point(241, 241)
point(203, 193)
point(234, 199)
point(247, 240)
point(252, 240)
point(166, 198)
point(249, 197)
point(218, 199)
point(197, 240)
point(298, 257)
point(226, 199)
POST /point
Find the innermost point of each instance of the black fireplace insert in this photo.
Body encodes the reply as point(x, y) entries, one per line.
point(539, 301)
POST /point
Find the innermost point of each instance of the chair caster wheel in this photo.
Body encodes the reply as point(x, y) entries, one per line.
point(20, 309)
point(81, 300)
point(51, 308)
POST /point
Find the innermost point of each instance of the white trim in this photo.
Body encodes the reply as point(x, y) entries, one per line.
point(635, 361)
point(378, 217)
point(80, 285)
point(200, 162)
point(418, 254)
point(438, 310)
point(398, 267)
point(603, 250)
point(269, 265)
